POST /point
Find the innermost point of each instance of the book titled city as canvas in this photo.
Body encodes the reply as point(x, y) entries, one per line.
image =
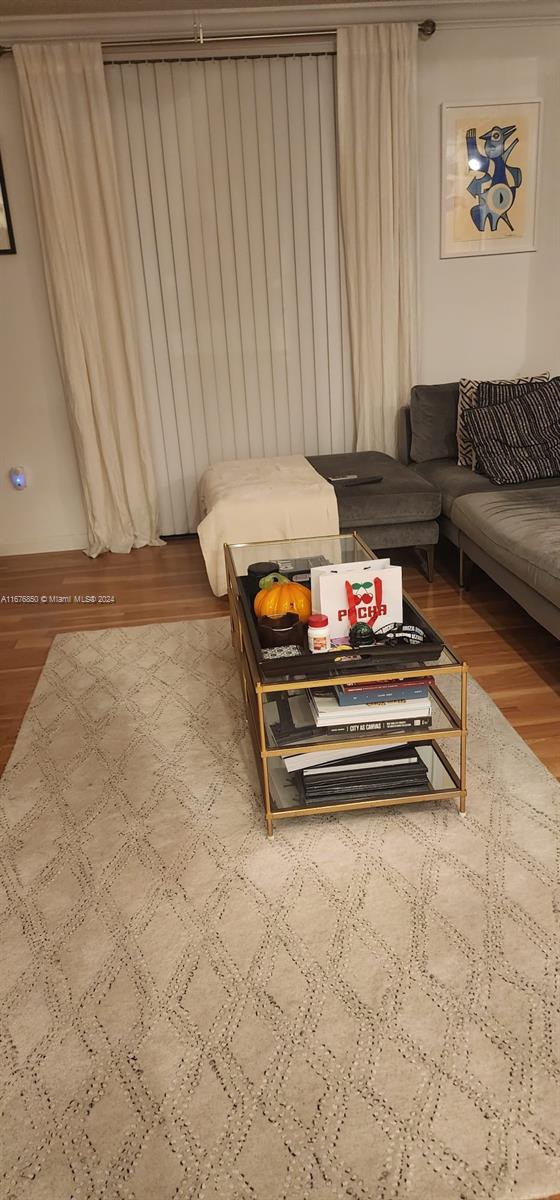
point(370, 592)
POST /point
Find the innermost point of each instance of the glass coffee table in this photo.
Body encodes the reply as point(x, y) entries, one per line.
point(275, 691)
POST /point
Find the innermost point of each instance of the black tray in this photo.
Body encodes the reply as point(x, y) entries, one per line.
point(339, 661)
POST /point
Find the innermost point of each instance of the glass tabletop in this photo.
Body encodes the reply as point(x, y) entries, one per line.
point(342, 547)
point(299, 665)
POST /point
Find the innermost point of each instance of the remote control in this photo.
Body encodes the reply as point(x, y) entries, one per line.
point(354, 480)
point(364, 479)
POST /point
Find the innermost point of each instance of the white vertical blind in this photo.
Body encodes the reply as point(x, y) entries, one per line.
point(229, 182)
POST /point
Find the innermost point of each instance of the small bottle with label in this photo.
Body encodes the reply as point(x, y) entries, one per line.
point(318, 633)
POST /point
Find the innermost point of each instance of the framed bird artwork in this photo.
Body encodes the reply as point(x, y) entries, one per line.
point(490, 160)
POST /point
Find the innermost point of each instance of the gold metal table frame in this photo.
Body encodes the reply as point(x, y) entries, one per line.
point(257, 690)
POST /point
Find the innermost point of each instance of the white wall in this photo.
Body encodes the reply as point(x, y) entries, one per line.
point(34, 429)
point(495, 316)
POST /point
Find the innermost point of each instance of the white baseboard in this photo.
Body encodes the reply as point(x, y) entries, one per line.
point(64, 541)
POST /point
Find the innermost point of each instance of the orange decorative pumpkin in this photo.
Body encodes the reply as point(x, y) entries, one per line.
point(280, 598)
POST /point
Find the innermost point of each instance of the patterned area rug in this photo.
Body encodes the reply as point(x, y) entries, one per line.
point(365, 1007)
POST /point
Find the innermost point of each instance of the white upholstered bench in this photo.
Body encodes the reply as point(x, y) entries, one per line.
point(261, 500)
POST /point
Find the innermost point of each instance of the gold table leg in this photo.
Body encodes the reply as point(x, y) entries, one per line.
point(266, 790)
point(463, 772)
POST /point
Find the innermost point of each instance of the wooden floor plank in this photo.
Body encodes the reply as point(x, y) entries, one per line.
point(516, 661)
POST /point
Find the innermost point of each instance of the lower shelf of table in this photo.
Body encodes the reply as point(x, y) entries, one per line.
point(287, 801)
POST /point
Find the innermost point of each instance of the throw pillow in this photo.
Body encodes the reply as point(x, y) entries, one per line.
point(469, 398)
point(433, 421)
point(518, 440)
point(498, 393)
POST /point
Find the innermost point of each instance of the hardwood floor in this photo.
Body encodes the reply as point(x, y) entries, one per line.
point(150, 585)
point(515, 660)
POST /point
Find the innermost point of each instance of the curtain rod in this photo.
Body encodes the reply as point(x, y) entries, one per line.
point(425, 30)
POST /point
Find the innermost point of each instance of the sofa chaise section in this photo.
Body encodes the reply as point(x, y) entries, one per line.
point(512, 532)
point(515, 537)
point(400, 510)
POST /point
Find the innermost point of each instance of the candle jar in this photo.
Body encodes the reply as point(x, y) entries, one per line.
point(318, 633)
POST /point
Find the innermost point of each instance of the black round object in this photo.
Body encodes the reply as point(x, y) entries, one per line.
point(361, 636)
point(257, 571)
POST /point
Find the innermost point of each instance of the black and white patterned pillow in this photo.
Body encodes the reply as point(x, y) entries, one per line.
point(518, 440)
point(498, 393)
point(469, 397)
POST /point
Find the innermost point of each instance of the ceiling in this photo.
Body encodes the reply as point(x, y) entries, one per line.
point(44, 8)
point(111, 9)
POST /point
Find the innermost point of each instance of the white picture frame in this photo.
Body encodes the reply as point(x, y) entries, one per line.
point(489, 183)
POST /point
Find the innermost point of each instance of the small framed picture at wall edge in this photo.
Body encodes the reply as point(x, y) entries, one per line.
point(7, 241)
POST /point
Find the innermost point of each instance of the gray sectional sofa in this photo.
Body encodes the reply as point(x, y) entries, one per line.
point(512, 532)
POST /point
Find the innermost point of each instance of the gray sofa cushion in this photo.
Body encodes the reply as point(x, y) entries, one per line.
point(433, 421)
point(453, 481)
point(520, 530)
point(405, 533)
point(401, 496)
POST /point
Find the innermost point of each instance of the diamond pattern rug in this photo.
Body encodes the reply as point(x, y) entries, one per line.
point(365, 1007)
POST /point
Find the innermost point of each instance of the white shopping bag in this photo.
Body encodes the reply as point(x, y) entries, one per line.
point(369, 592)
point(336, 569)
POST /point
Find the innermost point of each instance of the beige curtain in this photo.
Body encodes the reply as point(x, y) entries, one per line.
point(376, 98)
point(70, 148)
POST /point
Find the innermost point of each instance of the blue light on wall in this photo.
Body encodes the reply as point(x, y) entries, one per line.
point(17, 478)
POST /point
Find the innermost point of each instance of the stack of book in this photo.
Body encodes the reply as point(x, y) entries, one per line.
point(328, 714)
point(358, 708)
point(393, 771)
